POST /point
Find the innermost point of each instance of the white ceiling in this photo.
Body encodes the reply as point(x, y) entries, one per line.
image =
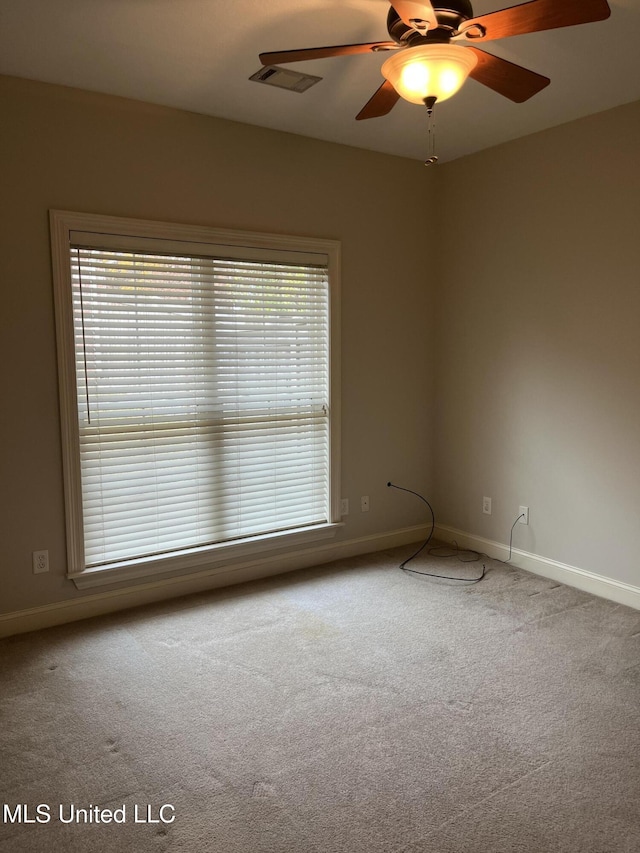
point(198, 54)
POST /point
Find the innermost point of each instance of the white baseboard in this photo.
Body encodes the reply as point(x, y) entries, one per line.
point(101, 603)
point(83, 607)
point(621, 593)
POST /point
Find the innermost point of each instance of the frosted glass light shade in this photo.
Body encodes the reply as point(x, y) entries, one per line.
point(429, 71)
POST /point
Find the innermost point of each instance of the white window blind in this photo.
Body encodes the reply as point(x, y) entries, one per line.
point(202, 389)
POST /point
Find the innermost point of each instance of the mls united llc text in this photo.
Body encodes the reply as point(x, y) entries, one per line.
point(70, 813)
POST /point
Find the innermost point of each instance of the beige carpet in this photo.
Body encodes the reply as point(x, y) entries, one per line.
point(348, 708)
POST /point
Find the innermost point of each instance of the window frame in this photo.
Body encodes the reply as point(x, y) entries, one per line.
point(62, 224)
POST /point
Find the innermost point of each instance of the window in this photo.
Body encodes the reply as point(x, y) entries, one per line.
point(198, 392)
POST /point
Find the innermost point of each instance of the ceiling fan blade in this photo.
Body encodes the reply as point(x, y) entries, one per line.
point(419, 16)
point(381, 103)
point(535, 16)
point(513, 81)
point(281, 57)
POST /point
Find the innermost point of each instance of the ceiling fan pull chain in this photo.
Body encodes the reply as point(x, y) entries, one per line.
point(432, 158)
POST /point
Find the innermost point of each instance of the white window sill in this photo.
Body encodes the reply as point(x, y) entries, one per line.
point(220, 556)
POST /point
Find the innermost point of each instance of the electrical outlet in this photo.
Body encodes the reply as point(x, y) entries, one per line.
point(486, 506)
point(523, 514)
point(40, 562)
point(344, 506)
point(364, 503)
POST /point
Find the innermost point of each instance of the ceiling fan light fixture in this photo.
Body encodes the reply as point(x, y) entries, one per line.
point(429, 71)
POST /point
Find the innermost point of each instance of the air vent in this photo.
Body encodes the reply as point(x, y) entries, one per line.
point(283, 78)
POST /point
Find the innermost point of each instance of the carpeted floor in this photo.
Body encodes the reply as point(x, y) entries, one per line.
point(347, 708)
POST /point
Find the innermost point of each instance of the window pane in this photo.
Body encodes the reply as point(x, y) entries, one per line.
point(202, 399)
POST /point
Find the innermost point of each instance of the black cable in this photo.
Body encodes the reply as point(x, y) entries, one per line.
point(478, 554)
point(456, 552)
point(403, 565)
point(510, 541)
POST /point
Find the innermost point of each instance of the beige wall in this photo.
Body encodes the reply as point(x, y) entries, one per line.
point(538, 366)
point(66, 149)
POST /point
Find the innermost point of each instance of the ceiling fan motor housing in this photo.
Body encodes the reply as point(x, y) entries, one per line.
point(449, 17)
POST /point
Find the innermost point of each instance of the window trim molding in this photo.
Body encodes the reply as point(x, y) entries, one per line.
point(62, 223)
point(223, 555)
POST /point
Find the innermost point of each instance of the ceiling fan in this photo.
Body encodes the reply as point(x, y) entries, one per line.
point(435, 49)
